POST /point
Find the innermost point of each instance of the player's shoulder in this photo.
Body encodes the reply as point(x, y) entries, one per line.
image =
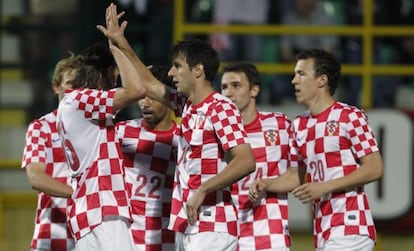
point(92, 92)
point(50, 117)
point(215, 103)
point(349, 111)
point(219, 101)
point(277, 117)
point(45, 119)
point(345, 107)
point(219, 98)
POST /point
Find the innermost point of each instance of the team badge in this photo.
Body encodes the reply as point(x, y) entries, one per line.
point(331, 127)
point(271, 137)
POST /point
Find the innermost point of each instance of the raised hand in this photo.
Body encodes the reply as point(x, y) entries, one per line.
point(113, 31)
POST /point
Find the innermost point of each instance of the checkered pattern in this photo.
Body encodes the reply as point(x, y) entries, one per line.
point(96, 104)
point(43, 146)
point(150, 160)
point(85, 122)
point(177, 102)
point(264, 225)
point(330, 145)
point(208, 129)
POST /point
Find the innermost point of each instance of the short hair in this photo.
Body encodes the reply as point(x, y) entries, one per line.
point(64, 65)
point(248, 69)
point(97, 62)
point(195, 52)
point(324, 63)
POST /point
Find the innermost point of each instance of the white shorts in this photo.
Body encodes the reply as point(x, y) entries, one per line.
point(205, 241)
point(112, 234)
point(349, 243)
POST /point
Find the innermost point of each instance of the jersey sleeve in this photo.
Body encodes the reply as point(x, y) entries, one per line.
point(96, 104)
point(362, 138)
point(228, 125)
point(177, 102)
point(35, 145)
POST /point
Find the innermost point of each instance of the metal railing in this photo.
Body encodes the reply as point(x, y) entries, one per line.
point(367, 31)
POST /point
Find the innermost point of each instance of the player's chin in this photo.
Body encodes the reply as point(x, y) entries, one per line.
point(300, 100)
point(149, 118)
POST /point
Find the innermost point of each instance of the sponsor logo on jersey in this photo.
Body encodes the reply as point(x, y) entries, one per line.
point(199, 120)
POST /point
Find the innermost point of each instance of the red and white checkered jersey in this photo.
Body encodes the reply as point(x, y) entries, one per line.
point(85, 124)
point(177, 102)
point(207, 130)
point(330, 145)
point(264, 225)
point(43, 145)
point(150, 158)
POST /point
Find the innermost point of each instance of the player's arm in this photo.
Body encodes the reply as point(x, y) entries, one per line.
point(242, 164)
point(371, 169)
point(282, 184)
point(115, 34)
point(130, 91)
point(41, 181)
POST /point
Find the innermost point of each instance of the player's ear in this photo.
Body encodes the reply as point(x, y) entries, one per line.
point(322, 80)
point(55, 87)
point(198, 70)
point(254, 91)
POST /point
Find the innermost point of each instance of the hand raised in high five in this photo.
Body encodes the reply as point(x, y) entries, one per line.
point(113, 30)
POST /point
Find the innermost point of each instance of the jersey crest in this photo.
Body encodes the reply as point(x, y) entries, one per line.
point(271, 137)
point(332, 128)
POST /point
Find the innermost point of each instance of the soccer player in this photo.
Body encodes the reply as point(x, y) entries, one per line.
point(334, 146)
point(149, 146)
point(100, 214)
point(263, 225)
point(202, 213)
point(44, 162)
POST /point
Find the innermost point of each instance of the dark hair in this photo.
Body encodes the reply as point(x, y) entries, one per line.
point(96, 70)
point(248, 69)
point(161, 73)
point(324, 63)
point(198, 52)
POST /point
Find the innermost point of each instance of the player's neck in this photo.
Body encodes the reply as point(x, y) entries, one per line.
point(201, 92)
point(320, 104)
point(249, 113)
point(164, 125)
